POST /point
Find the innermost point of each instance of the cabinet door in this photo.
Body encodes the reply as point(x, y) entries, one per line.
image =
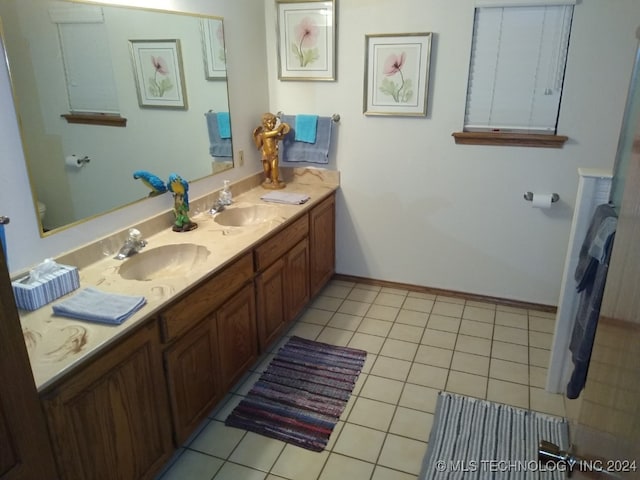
point(272, 311)
point(193, 378)
point(237, 337)
point(322, 247)
point(111, 419)
point(297, 279)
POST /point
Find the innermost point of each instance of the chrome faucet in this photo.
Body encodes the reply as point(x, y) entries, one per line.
point(132, 245)
point(218, 206)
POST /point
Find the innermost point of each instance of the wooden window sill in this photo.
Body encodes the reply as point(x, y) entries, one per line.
point(510, 139)
point(96, 119)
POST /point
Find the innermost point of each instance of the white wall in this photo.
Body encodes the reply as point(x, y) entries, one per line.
point(416, 208)
point(244, 31)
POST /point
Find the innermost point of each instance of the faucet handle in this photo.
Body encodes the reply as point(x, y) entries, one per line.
point(135, 234)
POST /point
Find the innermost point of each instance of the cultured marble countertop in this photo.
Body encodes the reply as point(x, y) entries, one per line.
point(56, 345)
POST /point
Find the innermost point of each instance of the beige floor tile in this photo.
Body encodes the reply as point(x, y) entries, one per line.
point(467, 384)
point(344, 283)
point(382, 312)
point(538, 313)
point(391, 368)
point(232, 471)
point(419, 398)
point(540, 324)
point(479, 314)
point(441, 322)
point(316, 316)
point(412, 423)
point(449, 299)
point(305, 330)
point(363, 341)
point(476, 329)
point(509, 393)
point(373, 326)
point(475, 345)
point(539, 357)
point(402, 454)
point(327, 303)
point(359, 442)
point(408, 333)
point(333, 438)
point(510, 351)
point(509, 319)
point(509, 371)
point(537, 376)
point(217, 439)
point(411, 317)
point(335, 336)
point(506, 308)
point(371, 413)
point(510, 335)
point(470, 363)
point(395, 291)
point(362, 378)
point(275, 477)
point(368, 363)
point(334, 290)
point(193, 465)
point(437, 338)
point(384, 473)
point(368, 286)
point(339, 467)
point(438, 357)
point(423, 295)
point(352, 307)
point(348, 407)
point(418, 304)
point(297, 463)
point(540, 340)
point(543, 401)
point(361, 295)
point(269, 449)
point(389, 299)
point(428, 375)
point(383, 389)
point(448, 309)
point(474, 303)
point(345, 321)
point(399, 349)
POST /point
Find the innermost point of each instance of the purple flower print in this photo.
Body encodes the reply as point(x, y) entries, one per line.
point(306, 34)
point(158, 87)
point(402, 92)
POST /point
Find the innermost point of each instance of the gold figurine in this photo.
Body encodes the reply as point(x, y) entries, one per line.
point(266, 138)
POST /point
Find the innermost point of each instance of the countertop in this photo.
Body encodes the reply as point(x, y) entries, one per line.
point(57, 345)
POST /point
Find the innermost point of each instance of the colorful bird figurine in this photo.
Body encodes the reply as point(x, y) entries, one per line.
point(180, 190)
point(155, 184)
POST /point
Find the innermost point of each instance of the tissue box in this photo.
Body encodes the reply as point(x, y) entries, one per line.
point(33, 295)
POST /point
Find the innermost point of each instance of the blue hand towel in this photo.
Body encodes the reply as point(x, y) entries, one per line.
point(305, 129)
point(294, 151)
point(96, 306)
point(218, 146)
point(224, 125)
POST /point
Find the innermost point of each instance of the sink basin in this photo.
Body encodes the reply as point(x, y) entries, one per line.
point(243, 216)
point(163, 262)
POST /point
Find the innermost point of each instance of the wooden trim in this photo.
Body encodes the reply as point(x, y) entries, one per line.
point(510, 139)
point(448, 293)
point(105, 119)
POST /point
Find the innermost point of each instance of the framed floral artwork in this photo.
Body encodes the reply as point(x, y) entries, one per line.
point(158, 73)
point(213, 51)
point(396, 76)
point(306, 40)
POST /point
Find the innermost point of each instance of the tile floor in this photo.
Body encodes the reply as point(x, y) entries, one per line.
point(418, 344)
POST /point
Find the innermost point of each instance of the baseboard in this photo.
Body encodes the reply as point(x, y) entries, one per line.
point(448, 293)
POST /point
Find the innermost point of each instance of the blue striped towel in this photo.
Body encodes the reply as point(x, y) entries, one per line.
point(96, 306)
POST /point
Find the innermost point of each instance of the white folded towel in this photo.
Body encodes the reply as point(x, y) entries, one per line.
point(285, 197)
point(96, 306)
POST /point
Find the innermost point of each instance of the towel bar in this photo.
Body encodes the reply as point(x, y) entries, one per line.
point(335, 117)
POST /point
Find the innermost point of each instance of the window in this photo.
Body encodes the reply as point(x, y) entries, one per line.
point(516, 72)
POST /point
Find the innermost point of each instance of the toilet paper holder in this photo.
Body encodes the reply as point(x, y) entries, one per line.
point(528, 196)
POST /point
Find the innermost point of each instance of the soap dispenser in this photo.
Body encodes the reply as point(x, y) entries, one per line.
point(225, 195)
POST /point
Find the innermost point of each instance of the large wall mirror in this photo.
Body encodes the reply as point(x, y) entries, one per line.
point(102, 91)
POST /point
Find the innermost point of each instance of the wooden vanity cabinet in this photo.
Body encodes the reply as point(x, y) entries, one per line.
point(322, 244)
point(111, 419)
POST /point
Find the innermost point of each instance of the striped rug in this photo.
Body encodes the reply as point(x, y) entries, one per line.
point(301, 395)
point(478, 439)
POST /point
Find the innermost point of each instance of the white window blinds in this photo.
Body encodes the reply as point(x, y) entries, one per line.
point(517, 68)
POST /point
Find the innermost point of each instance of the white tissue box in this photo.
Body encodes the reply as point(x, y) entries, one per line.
point(33, 295)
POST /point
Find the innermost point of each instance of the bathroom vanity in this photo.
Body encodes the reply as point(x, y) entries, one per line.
point(121, 399)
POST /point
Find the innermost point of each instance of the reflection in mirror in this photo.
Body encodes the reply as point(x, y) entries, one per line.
point(160, 107)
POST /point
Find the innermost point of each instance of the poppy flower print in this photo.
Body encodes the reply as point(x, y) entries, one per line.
point(401, 90)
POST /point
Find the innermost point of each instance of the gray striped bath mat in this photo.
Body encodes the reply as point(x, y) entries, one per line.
point(478, 439)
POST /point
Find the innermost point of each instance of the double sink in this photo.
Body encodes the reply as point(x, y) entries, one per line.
point(177, 259)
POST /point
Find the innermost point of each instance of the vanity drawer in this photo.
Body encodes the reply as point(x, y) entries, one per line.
point(192, 308)
point(269, 251)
